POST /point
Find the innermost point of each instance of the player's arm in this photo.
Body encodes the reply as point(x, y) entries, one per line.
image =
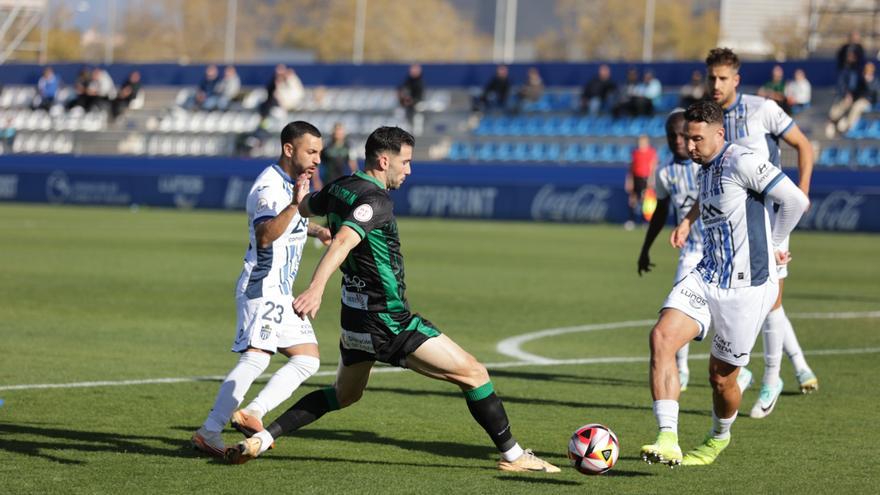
point(797, 140)
point(320, 232)
point(792, 204)
point(682, 231)
point(269, 230)
point(308, 301)
point(658, 219)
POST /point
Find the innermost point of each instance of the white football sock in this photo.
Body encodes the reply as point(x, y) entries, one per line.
point(681, 358)
point(283, 383)
point(666, 412)
point(793, 350)
point(266, 440)
point(774, 334)
point(238, 381)
point(513, 453)
point(721, 426)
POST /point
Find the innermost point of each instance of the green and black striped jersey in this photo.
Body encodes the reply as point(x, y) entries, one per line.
point(372, 274)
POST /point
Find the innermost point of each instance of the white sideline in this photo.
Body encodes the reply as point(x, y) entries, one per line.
point(508, 347)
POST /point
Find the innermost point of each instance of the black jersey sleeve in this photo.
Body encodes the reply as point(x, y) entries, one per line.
point(370, 212)
point(318, 202)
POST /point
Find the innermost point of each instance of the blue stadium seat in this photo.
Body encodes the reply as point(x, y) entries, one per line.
point(624, 153)
point(486, 126)
point(520, 152)
point(867, 157)
point(607, 153)
point(571, 153)
point(859, 130)
point(843, 157)
point(589, 153)
point(533, 126)
point(503, 151)
point(828, 156)
point(459, 151)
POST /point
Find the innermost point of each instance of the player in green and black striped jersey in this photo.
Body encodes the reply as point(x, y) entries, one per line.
point(376, 321)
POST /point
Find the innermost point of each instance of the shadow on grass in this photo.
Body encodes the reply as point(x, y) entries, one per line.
point(53, 441)
point(534, 479)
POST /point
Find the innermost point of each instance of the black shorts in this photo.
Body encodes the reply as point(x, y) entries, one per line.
point(384, 337)
point(640, 184)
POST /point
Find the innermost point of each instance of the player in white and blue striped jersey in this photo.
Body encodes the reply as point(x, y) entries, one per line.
point(264, 292)
point(675, 183)
point(759, 124)
point(735, 284)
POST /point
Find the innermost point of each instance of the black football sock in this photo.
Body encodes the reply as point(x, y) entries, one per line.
point(487, 409)
point(307, 410)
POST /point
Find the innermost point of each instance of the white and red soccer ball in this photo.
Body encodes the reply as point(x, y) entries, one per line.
point(593, 449)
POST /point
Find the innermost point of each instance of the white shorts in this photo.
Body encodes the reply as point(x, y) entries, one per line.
point(736, 314)
point(269, 323)
point(687, 261)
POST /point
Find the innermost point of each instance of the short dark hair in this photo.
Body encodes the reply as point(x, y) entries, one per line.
point(297, 129)
point(386, 139)
point(722, 56)
point(673, 119)
point(705, 111)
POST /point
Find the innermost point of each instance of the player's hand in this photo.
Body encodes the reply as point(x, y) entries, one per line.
point(679, 235)
point(323, 234)
point(645, 264)
point(301, 188)
point(782, 257)
point(307, 303)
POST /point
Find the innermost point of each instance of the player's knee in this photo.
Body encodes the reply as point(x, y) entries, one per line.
point(348, 397)
point(662, 339)
point(306, 365)
point(468, 373)
point(722, 382)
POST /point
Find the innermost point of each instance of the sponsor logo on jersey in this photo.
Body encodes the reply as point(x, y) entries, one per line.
point(363, 213)
point(262, 205)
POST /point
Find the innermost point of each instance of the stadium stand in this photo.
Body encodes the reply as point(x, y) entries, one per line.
point(549, 129)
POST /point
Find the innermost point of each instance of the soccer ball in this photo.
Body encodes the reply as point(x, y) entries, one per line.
point(593, 449)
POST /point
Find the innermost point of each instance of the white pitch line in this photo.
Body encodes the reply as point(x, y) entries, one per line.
point(530, 360)
point(513, 346)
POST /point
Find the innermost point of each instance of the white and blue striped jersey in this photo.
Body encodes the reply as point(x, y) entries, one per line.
point(678, 182)
point(757, 123)
point(737, 245)
point(271, 270)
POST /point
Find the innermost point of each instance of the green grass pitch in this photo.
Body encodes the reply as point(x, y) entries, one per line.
point(103, 294)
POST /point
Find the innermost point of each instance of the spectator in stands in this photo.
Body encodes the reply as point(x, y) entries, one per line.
point(207, 90)
point(626, 104)
point(81, 96)
point(289, 91)
point(337, 159)
point(693, 91)
point(599, 93)
point(496, 91)
point(774, 89)
point(47, 90)
point(271, 100)
point(798, 92)
point(227, 90)
point(850, 60)
point(847, 111)
point(100, 91)
point(127, 93)
point(7, 136)
point(411, 91)
point(641, 171)
point(532, 90)
point(650, 92)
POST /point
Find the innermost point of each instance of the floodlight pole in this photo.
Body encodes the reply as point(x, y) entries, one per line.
point(231, 18)
point(44, 35)
point(111, 32)
point(510, 31)
point(360, 20)
point(648, 33)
